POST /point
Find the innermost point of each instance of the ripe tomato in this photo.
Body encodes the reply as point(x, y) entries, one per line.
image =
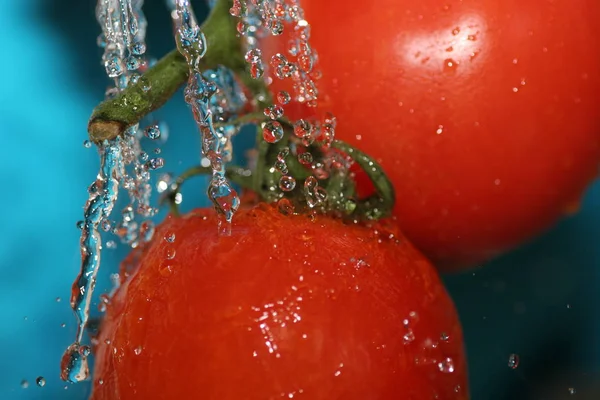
point(286, 307)
point(485, 113)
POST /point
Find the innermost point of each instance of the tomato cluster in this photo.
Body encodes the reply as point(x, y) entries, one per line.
point(484, 114)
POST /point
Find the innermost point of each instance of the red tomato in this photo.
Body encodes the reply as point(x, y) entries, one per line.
point(485, 113)
point(286, 307)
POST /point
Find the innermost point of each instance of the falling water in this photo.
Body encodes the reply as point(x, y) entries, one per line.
point(198, 93)
point(123, 32)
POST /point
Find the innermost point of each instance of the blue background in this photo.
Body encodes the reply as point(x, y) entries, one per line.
point(539, 302)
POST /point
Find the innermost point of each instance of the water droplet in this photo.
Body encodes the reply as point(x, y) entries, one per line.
point(446, 365)
point(274, 112)
point(305, 158)
point(226, 202)
point(409, 336)
point(276, 28)
point(242, 27)
point(450, 66)
point(24, 384)
point(253, 56)
point(169, 237)
point(287, 183)
point(170, 253)
point(256, 70)
point(572, 390)
point(285, 206)
point(513, 361)
point(236, 9)
point(283, 97)
point(40, 381)
point(302, 129)
point(155, 163)
point(456, 31)
point(272, 131)
point(80, 224)
point(106, 225)
point(314, 193)
point(138, 48)
point(85, 351)
point(444, 337)
point(138, 350)
point(281, 166)
point(87, 144)
point(145, 84)
point(133, 63)
point(152, 132)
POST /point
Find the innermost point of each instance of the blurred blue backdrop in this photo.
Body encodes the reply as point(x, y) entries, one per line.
point(540, 302)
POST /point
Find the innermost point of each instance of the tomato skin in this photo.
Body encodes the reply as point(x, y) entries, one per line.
point(484, 113)
point(286, 306)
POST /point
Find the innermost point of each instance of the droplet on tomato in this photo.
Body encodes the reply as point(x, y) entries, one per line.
point(450, 66)
point(170, 253)
point(285, 206)
point(169, 237)
point(409, 336)
point(446, 365)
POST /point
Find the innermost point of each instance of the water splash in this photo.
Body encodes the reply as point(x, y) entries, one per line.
point(123, 31)
point(225, 105)
point(198, 93)
point(299, 65)
point(103, 195)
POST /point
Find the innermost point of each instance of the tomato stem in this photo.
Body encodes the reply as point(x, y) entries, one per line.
point(157, 85)
point(225, 48)
point(381, 204)
point(341, 189)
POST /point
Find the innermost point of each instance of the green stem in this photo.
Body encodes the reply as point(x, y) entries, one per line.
point(224, 47)
point(382, 203)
